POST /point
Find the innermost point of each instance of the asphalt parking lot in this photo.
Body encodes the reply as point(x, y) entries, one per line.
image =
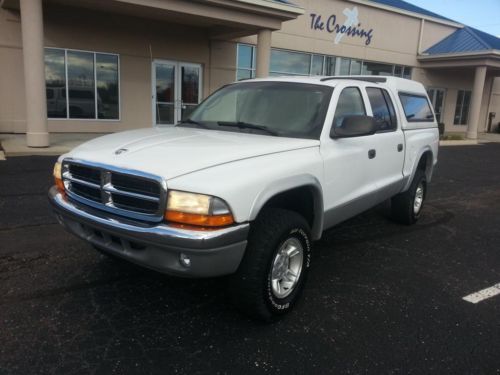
point(381, 298)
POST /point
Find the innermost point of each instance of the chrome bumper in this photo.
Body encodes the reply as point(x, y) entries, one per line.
point(156, 246)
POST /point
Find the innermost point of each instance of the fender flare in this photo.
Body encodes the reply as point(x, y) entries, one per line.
point(429, 168)
point(289, 183)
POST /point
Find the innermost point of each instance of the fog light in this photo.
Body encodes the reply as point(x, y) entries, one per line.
point(185, 261)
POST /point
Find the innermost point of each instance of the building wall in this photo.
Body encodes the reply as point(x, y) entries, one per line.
point(395, 40)
point(395, 36)
point(451, 81)
point(137, 41)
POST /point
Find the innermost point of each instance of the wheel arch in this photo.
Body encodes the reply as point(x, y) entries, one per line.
point(424, 162)
point(302, 194)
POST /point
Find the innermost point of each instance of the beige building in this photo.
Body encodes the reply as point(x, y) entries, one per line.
point(112, 65)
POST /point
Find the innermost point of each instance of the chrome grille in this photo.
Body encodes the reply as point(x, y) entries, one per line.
point(129, 193)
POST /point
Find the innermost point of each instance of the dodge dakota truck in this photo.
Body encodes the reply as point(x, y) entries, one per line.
point(257, 172)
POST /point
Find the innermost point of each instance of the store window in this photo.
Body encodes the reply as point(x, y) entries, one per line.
point(330, 64)
point(356, 67)
point(377, 69)
point(416, 107)
point(462, 108)
point(285, 62)
point(82, 85)
point(246, 62)
point(344, 66)
point(290, 63)
point(318, 62)
point(402, 71)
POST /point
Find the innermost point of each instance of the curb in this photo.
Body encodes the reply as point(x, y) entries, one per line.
point(459, 143)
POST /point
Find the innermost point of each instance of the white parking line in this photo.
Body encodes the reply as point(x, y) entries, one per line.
point(483, 294)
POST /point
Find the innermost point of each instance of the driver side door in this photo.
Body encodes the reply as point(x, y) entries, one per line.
point(348, 189)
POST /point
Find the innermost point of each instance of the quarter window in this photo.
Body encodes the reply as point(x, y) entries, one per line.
point(82, 85)
point(382, 109)
point(462, 108)
point(350, 103)
point(416, 107)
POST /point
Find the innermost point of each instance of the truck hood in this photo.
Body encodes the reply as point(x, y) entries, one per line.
point(171, 152)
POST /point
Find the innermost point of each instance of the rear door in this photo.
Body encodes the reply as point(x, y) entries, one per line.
point(388, 141)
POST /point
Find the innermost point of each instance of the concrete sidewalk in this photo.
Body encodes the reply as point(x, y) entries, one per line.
point(60, 143)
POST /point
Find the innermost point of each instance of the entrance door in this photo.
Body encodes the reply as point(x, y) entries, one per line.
point(176, 90)
point(437, 100)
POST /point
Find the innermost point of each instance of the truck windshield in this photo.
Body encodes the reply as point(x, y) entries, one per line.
point(285, 109)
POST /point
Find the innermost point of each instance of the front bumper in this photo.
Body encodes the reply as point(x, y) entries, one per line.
point(156, 246)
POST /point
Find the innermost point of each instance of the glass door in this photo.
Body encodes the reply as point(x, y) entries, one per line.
point(437, 100)
point(164, 92)
point(190, 85)
point(176, 91)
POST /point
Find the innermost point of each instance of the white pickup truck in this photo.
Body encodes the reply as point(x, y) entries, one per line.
point(256, 174)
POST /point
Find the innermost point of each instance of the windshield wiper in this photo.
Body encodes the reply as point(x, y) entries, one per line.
point(246, 125)
point(193, 122)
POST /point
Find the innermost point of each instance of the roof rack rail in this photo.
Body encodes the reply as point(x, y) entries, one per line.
point(366, 79)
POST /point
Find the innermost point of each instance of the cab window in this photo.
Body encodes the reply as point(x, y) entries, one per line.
point(350, 103)
point(382, 109)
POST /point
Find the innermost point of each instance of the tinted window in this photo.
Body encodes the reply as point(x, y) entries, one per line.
point(290, 62)
point(416, 107)
point(382, 108)
point(462, 108)
point(376, 69)
point(81, 84)
point(317, 65)
point(289, 109)
point(55, 82)
point(107, 86)
point(350, 103)
point(392, 111)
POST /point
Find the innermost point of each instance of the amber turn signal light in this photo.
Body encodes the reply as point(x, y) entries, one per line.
point(210, 221)
point(58, 177)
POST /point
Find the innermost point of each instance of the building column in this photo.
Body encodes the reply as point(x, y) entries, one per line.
point(475, 106)
point(263, 53)
point(34, 73)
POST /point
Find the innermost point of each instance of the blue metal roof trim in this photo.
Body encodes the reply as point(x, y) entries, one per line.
point(403, 5)
point(465, 40)
point(284, 2)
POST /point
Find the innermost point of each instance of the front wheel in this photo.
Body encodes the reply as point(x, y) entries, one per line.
point(274, 269)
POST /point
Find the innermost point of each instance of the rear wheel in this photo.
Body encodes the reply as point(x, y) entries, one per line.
point(406, 207)
point(274, 269)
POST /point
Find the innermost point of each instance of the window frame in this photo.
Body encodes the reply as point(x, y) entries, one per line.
point(406, 93)
point(385, 96)
point(96, 118)
point(466, 123)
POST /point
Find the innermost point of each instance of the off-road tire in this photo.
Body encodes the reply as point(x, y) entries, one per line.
point(250, 287)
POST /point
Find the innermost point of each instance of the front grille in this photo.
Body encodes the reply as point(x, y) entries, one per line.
point(133, 194)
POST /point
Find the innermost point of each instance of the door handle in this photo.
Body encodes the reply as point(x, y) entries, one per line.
point(400, 147)
point(372, 153)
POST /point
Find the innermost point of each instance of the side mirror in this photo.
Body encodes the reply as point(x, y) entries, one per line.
point(354, 126)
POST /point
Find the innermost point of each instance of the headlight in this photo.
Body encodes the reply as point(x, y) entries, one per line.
point(58, 177)
point(197, 209)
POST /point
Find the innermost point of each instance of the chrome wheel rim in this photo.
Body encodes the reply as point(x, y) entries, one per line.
point(419, 198)
point(287, 266)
